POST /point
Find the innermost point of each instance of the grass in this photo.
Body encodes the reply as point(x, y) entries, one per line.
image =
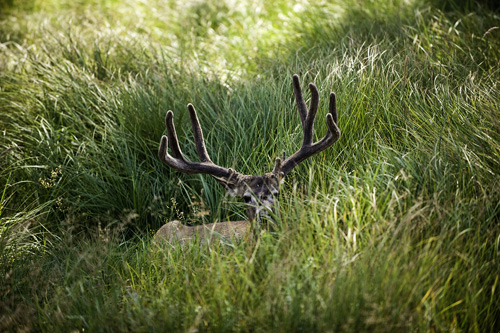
point(394, 228)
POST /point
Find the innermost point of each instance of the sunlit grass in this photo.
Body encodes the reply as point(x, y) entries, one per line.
point(395, 228)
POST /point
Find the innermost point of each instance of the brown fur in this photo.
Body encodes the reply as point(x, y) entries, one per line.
point(176, 231)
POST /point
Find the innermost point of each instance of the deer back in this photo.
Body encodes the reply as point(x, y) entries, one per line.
point(176, 231)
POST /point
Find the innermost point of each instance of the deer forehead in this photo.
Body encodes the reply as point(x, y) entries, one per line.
point(258, 184)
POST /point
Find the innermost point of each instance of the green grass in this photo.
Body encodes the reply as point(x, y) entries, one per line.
point(394, 228)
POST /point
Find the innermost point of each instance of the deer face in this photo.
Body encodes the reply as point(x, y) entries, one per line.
point(259, 193)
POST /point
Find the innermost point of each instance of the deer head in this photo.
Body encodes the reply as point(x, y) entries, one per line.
point(258, 192)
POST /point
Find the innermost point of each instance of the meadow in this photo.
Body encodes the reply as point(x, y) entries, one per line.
point(394, 228)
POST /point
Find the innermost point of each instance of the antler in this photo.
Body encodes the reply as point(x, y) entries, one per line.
point(178, 161)
point(307, 119)
point(283, 166)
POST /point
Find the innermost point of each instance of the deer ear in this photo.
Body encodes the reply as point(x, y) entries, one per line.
point(279, 176)
point(229, 185)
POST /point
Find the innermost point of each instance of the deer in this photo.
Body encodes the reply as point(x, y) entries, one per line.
point(259, 193)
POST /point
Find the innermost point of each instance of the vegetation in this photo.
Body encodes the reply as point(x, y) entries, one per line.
point(395, 228)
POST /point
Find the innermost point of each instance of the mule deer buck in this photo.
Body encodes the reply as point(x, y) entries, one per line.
point(258, 192)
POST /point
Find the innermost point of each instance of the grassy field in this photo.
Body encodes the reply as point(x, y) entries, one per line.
point(394, 228)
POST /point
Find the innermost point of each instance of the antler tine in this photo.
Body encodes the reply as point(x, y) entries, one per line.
point(301, 104)
point(277, 166)
point(307, 117)
point(332, 107)
point(308, 126)
point(178, 161)
point(198, 135)
point(172, 136)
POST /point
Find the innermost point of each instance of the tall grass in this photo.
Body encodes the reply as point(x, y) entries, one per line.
point(395, 228)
